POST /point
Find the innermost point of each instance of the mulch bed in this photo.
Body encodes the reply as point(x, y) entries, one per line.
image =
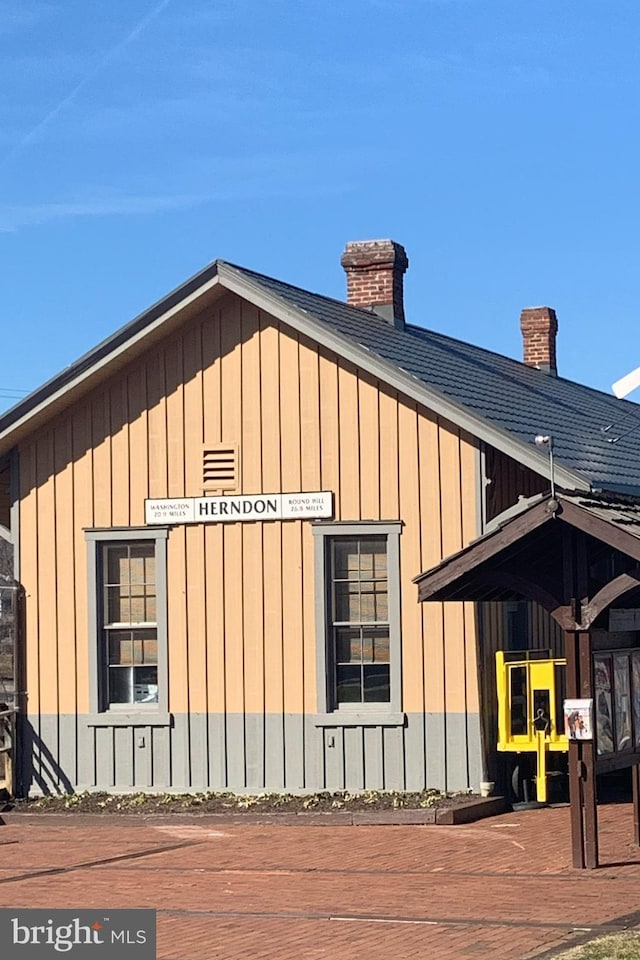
point(228, 803)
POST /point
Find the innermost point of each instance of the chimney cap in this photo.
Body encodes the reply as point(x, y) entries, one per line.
point(362, 253)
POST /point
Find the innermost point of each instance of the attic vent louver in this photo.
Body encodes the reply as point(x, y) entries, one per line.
point(220, 466)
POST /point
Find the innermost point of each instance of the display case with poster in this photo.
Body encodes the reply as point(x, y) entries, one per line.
point(616, 678)
point(602, 689)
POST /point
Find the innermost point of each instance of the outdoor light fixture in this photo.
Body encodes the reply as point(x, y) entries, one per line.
point(546, 440)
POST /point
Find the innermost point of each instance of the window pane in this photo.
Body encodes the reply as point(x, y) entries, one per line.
point(137, 609)
point(120, 685)
point(118, 605)
point(379, 552)
point(381, 647)
point(145, 688)
point(367, 648)
point(348, 646)
point(120, 648)
point(150, 610)
point(143, 605)
point(142, 564)
point(345, 560)
point(376, 683)
point(373, 559)
point(116, 566)
point(145, 647)
point(373, 602)
point(348, 684)
point(347, 602)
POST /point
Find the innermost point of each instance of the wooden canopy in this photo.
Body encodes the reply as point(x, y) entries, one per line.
point(577, 555)
point(537, 550)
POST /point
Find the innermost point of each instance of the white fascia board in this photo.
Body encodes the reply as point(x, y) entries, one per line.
point(394, 376)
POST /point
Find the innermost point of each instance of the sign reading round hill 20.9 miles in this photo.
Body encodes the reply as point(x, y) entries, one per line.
point(232, 509)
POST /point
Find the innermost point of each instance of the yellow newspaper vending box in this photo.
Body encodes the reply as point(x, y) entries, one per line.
point(530, 715)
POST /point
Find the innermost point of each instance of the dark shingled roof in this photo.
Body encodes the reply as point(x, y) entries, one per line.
point(620, 511)
point(595, 434)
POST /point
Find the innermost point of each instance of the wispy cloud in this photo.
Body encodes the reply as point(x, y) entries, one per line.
point(106, 58)
point(236, 179)
point(14, 216)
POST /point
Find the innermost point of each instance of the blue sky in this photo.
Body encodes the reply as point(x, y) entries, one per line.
point(496, 139)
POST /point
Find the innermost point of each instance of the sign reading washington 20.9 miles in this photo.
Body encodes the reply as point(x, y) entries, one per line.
point(231, 509)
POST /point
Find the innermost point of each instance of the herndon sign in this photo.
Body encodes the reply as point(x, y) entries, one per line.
point(232, 509)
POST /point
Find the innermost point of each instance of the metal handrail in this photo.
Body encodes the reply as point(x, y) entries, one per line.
point(7, 720)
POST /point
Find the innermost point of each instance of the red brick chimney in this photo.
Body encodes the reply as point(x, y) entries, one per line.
point(539, 327)
point(375, 271)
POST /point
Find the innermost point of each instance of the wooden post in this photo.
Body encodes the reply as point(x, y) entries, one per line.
point(574, 758)
point(589, 799)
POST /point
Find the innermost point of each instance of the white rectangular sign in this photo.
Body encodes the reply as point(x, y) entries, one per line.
point(234, 509)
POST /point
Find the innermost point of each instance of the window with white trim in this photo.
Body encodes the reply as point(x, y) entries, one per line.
point(127, 623)
point(358, 618)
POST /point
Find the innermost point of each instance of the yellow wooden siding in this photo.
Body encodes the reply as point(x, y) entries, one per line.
point(196, 648)
point(241, 597)
point(29, 564)
point(47, 572)
point(64, 541)
point(82, 516)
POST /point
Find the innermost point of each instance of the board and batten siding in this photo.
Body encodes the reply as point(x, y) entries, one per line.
point(243, 689)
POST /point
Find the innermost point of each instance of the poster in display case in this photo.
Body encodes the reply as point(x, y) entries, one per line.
point(604, 716)
point(578, 719)
point(622, 701)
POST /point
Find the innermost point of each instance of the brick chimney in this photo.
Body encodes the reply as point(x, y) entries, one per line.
point(539, 327)
point(375, 271)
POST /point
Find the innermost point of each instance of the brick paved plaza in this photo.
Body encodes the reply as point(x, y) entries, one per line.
point(501, 888)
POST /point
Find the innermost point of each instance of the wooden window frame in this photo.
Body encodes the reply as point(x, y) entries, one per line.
point(139, 714)
point(330, 712)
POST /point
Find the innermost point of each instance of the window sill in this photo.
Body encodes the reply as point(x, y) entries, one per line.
point(141, 718)
point(345, 718)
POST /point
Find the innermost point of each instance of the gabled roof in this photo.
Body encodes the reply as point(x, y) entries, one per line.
point(496, 399)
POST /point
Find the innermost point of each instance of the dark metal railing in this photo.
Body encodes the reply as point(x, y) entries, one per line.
point(11, 681)
point(7, 749)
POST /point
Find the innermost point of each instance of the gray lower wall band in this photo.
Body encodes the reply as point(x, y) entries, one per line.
point(249, 753)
